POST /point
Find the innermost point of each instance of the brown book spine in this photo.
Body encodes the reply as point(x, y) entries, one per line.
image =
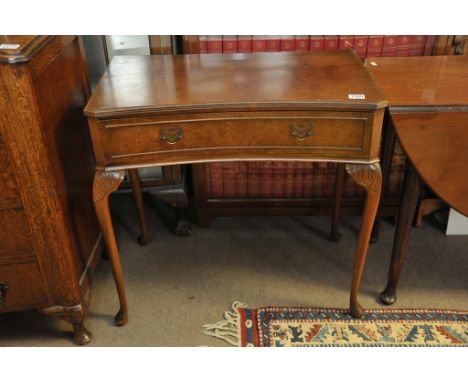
point(266, 179)
point(308, 179)
point(203, 40)
point(253, 181)
point(298, 179)
point(429, 46)
point(229, 180)
point(329, 179)
point(317, 178)
point(216, 179)
point(278, 185)
point(289, 176)
point(241, 179)
point(207, 167)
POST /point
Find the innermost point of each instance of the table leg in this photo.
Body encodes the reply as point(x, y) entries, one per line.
point(386, 157)
point(138, 195)
point(339, 185)
point(409, 201)
point(369, 177)
point(104, 184)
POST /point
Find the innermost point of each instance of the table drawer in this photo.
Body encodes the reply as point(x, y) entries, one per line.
point(21, 287)
point(262, 135)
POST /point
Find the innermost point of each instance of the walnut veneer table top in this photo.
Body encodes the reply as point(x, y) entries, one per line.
point(213, 82)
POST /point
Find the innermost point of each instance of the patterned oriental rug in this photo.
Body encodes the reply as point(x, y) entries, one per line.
point(300, 327)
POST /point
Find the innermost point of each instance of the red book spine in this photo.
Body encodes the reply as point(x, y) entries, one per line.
point(374, 46)
point(229, 44)
point(229, 180)
point(330, 43)
point(244, 44)
point(216, 179)
point(417, 45)
point(253, 181)
point(241, 179)
point(298, 179)
point(215, 44)
point(346, 43)
point(287, 44)
point(272, 43)
point(301, 43)
point(258, 43)
point(203, 44)
point(289, 188)
point(389, 46)
point(360, 45)
point(430, 44)
point(278, 185)
point(403, 45)
point(316, 43)
point(266, 176)
point(308, 180)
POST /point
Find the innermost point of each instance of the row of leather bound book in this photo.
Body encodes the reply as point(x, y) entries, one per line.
point(276, 179)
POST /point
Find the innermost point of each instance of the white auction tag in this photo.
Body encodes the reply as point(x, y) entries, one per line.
point(9, 46)
point(356, 96)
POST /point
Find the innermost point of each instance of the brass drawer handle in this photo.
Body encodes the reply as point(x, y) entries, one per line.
point(300, 131)
point(3, 289)
point(171, 135)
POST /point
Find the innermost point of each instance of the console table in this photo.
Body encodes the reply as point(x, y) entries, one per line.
point(428, 105)
point(165, 110)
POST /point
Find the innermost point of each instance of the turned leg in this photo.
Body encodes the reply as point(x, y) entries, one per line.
point(339, 185)
point(138, 195)
point(369, 177)
point(386, 157)
point(409, 201)
point(104, 184)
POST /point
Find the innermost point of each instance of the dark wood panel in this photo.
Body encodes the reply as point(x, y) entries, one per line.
point(61, 96)
point(9, 195)
point(437, 146)
point(26, 288)
point(15, 236)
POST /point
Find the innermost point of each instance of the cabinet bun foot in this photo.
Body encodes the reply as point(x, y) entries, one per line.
point(82, 335)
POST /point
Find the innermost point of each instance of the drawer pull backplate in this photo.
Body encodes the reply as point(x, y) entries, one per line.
point(171, 135)
point(300, 131)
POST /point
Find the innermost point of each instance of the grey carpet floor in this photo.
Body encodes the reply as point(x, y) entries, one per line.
point(176, 284)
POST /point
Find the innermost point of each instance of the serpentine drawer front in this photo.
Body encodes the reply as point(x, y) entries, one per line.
point(225, 135)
